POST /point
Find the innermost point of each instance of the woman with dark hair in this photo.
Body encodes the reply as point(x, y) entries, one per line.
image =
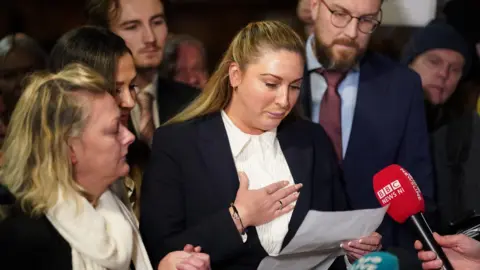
point(108, 55)
point(102, 51)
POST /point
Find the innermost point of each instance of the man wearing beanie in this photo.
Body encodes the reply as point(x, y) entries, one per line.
point(440, 55)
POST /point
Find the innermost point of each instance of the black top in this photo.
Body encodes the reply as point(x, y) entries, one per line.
point(173, 97)
point(28, 243)
point(33, 243)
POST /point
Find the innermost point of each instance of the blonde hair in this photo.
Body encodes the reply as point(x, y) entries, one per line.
point(245, 48)
point(36, 160)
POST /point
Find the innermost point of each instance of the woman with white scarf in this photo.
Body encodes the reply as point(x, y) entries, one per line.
point(64, 148)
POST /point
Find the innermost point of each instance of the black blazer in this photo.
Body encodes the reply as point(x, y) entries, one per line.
point(32, 243)
point(192, 179)
point(173, 97)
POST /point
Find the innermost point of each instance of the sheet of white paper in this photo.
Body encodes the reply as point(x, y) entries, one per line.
point(317, 242)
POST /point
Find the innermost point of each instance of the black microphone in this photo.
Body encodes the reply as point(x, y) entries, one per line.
point(394, 186)
point(427, 239)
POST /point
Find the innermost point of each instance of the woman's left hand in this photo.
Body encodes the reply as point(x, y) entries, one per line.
point(190, 258)
point(360, 247)
point(199, 261)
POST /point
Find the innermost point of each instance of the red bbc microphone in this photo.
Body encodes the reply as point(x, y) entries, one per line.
point(394, 186)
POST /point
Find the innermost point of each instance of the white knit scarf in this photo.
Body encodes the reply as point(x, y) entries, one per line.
point(104, 237)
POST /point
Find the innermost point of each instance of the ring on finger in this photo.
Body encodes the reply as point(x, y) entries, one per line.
point(281, 204)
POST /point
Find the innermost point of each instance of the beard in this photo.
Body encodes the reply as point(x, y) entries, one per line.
point(341, 59)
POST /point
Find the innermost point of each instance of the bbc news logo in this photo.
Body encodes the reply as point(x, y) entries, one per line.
point(386, 190)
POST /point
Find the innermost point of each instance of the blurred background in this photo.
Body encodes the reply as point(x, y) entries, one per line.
point(46, 20)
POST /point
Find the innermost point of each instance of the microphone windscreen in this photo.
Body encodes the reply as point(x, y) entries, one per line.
point(377, 261)
point(394, 186)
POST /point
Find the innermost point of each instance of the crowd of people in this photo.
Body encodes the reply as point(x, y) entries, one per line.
point(121, 151)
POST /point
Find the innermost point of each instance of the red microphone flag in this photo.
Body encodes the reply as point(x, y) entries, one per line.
point(395, 186)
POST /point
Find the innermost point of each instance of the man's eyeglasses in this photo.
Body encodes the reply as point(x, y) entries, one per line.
point(366, 24)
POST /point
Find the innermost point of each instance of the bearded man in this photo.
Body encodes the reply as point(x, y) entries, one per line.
point(371, 107)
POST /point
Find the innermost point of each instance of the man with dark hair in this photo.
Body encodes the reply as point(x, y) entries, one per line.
point(440, 55)
point(100, 12)
point(142, 24)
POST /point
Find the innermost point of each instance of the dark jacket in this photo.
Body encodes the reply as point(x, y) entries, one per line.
point(388, 127)
point(192, 179)
point(456, 155)
point(32, 243)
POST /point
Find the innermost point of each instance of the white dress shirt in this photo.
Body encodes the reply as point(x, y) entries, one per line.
point(261, 159)
point(135, 113)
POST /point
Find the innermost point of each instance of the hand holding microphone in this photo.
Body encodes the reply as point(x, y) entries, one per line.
point(462, 251)
point(394, 186)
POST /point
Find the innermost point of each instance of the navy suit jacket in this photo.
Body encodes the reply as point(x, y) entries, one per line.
point(389, 127)
point(192, 179)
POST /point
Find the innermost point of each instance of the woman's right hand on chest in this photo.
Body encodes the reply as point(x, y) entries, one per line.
point(260, 206)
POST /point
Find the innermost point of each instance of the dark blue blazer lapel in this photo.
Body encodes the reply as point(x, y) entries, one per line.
point(217, 155)
point(371, 89)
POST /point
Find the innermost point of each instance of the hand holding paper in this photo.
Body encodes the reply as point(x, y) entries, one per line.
point(358, 248)
point(317, 241)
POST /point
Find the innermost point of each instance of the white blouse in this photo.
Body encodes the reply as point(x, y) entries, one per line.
point(261, 159)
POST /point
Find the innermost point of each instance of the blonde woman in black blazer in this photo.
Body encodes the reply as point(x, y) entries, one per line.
point(238, 170)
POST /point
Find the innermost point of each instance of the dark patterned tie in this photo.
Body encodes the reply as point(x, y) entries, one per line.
point(330, 109)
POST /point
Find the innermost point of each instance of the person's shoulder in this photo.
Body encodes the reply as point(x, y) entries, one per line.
point(384, 64)
point(181, 132)
point(304, 128)
point(179, 128)
point(176, 88)
point(390, 75)
point(28, 242)
point(21, 231)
